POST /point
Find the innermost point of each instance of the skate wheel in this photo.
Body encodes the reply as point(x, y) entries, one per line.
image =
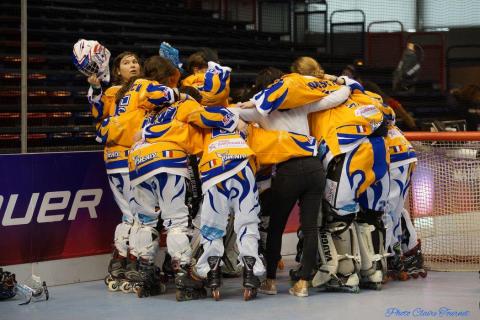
point(136, 289)
point(216, 294)
point(423, 274)
point(113, 286)
point(180, 295)
point(126, 287)
point(403, 276)
point(249, 294)
point(281, 265)
point(414, 275)
point(107, 279)
point(141, 292)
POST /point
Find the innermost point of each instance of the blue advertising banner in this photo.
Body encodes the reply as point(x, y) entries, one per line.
point(55, 206)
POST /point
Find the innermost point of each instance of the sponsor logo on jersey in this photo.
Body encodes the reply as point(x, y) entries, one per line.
point(141, 160)
point(366, 111)
point(227, 119)
point(113, 155)
point(225, 156)
point(236, 143)
point(393, 132)
point(330, 191)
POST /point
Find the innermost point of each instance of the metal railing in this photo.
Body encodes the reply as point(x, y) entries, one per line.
point(347, 38)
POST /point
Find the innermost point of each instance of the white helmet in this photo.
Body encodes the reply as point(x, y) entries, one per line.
point(90, 57)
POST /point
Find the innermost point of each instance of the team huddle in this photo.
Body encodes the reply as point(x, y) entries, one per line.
point(175, 144)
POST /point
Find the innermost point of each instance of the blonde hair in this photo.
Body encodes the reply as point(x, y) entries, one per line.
point(308, 67)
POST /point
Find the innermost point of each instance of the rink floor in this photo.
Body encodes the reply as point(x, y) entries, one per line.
point(413, 299)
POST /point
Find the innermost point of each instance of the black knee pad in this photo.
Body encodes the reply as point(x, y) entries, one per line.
point(374, 218)
point(330, 216)
point(371, 217)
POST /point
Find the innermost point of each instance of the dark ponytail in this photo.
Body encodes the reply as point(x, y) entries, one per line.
point(125, 88)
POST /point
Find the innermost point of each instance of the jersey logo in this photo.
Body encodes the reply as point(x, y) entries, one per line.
point(122, 105)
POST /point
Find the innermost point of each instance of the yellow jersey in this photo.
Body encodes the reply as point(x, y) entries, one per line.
point(103, 107)
point(277, 146)
point(172, 134)
point(214, 84)
point(400, 149)
point(142, 97)
point(291, 91)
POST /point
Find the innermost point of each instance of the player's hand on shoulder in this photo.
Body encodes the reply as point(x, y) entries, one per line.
point(245, 105)
point(242, 125)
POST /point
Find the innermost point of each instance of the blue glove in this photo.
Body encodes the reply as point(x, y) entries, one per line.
point(352, 84)
point(170, 53)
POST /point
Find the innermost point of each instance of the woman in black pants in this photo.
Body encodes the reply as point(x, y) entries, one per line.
point(302, 180)
point(298, 179)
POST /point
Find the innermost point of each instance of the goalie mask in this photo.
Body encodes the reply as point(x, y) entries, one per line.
point(90, 57)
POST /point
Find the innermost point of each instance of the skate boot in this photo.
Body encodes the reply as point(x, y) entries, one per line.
point(148, 282)
point(131, 272)
point(187, 285)
point(395, 266)
point(341, 283)
point(295, 275)
point(413, 261)
point(268, 286)
point(214, 276)
point(116, 272)
point(169, 268)
point(7, 285)
point(250, 281)
point(373, 281)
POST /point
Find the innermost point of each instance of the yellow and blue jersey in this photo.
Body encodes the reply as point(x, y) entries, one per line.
point(400, 149)
point(194, 80)
point(142, 97)
point(227, 153)
point(342, 127)
point(213, 85)
point(102, 107)
point(276, 146)
point(224, 155)
point(291, 91)
point(171, 135)
point(346, 126)
point(388, 113)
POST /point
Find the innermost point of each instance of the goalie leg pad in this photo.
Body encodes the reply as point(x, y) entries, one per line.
point(339, 252)
point(371, 235)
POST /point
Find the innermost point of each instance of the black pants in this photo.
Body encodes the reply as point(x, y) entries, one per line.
point(303, 180)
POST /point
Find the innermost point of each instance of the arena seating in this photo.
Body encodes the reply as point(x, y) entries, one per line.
point(58, 117)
